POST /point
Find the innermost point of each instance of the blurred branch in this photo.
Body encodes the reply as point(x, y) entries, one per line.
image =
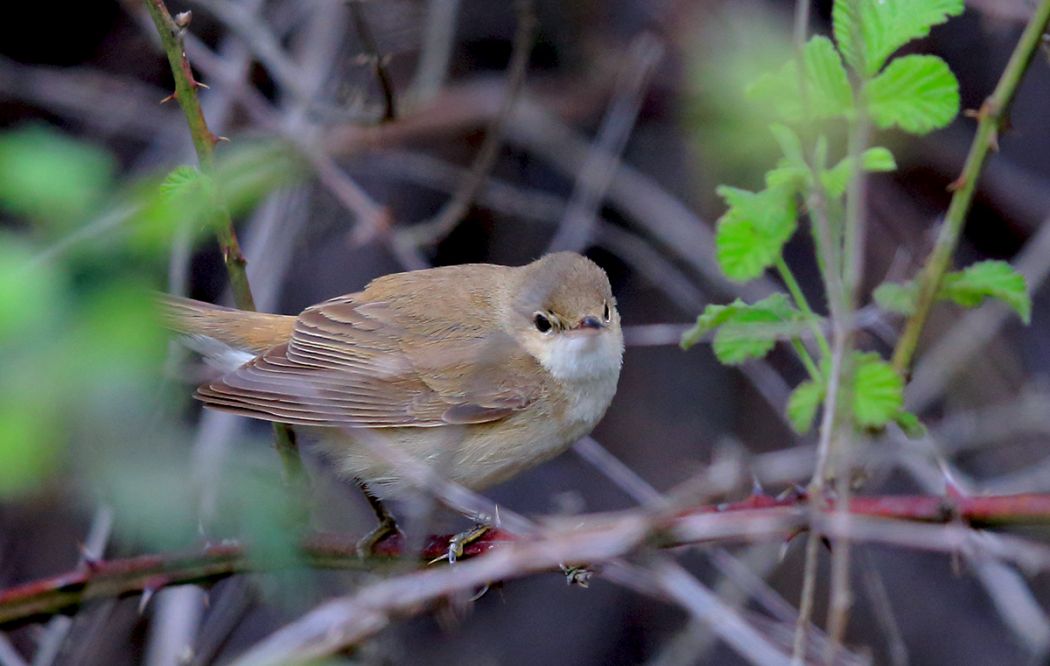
point(592, 182)
point(171, 32)
point(433, 230)
point(990, 117)
point(591, 539)
point(368, 40)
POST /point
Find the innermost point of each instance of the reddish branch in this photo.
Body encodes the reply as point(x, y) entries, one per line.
point(779, 518)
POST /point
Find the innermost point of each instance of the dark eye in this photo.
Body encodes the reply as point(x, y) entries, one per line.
point(543, 325)
point(606, 313)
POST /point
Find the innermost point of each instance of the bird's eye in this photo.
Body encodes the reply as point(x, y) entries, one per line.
point(542, 323)
point(606, 314)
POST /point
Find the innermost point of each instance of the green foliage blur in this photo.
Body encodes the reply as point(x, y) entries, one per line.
point(85, 406)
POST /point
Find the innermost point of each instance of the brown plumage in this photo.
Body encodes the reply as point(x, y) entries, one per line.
point(452, 346)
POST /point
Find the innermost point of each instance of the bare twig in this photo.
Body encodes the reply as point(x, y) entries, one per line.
point(442, 224)
point(368, 40)
point(592, 182)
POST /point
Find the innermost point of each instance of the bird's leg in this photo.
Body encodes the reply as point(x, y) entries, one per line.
point(387, 525)
point(463, 539)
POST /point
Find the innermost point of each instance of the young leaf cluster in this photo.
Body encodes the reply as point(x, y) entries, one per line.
point(850, 80)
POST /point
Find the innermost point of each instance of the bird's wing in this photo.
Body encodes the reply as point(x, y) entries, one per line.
point(353, 361)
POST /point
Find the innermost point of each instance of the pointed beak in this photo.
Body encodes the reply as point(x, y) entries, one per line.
point(590, 323)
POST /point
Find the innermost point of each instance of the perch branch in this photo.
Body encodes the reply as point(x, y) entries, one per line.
point(759, 517)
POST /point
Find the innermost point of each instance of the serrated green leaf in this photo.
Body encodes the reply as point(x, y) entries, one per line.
point(917, 93)
point(869, 31)
point(830, 95)
point(828, 91)
point(180, 181)
point(878, 391)
point(753, 231)
point(899, 297)
point(789, 142)
point(910, 424)
point(836, 179)
point(803, 404)
point(988, 279)
point(744, 331)
point(878, 159)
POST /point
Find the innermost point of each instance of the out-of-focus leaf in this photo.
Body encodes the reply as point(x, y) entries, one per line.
point(48, 177)
point(30, 291)
point(878, 391)
point(803, 404)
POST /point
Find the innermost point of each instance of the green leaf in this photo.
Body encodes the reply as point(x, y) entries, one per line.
point(878, 391)
point(181, 181)
point(48, 177)
point(869, 31)
point(830, 95)
point(899, 297)
point(828, 91)
point(745, 331)
point(918, 93)
point(988, 279)
point(803, 404)
point(911, 425)
point(836, 179)
point(753, 231)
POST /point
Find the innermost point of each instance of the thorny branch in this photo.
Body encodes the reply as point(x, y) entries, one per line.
point(992, 114)
point(172, 32)
point(759, 517)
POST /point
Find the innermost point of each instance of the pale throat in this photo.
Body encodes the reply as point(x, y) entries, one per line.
point(581, 358)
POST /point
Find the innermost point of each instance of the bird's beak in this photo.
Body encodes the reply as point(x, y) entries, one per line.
point(590, 324)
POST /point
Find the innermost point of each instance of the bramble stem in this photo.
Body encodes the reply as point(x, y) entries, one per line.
point(800, 300)
point(171, 32)
point(990, 116)
point(117, 578)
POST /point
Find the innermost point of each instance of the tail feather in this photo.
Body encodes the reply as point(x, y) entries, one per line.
point(225, 336)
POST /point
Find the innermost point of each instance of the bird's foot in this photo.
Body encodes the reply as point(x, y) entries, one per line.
point(387, 527)
point(460, 541)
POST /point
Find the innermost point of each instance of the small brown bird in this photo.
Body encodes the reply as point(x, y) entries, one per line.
point(478, 369)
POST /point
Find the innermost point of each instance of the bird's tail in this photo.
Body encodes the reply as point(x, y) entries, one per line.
point(224, 336)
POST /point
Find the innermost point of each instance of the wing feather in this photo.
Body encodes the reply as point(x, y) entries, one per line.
point(380, 358)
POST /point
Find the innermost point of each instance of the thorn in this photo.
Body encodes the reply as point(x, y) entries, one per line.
point(87, 558)
point(168, 98)
point(787, 543)
point(952, 488)
point(198, 84)
point(971, 113)
point(220, 139)
point(182, 19)
point(957, 183)
point(756, 486)
point(993, 141)
point(147, 595)
point(479, 594)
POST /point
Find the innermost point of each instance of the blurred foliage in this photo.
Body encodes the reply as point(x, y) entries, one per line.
point(84, 399)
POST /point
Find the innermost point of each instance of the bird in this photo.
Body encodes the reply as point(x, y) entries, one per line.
point(479, 371)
